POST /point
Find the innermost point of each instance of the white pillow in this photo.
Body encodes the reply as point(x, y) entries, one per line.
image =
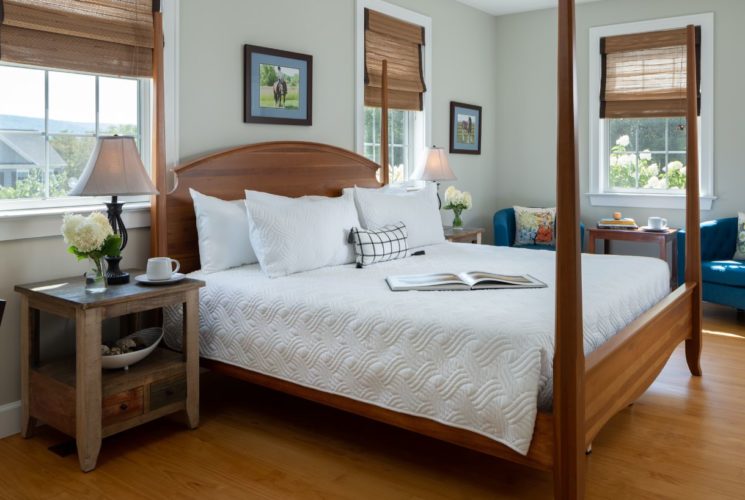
point(416, 209)
point(291, 235)
point(222, 228)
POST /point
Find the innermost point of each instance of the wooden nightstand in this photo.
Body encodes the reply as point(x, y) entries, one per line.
point(74, 395)
point(464, 235)
point(661, 239)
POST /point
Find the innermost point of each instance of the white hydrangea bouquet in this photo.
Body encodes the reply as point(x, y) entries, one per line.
point(91, 238)
point(457, 201)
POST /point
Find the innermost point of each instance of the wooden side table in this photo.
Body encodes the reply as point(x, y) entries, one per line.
point(464, 235)
point(659, 238)
point(73, 395)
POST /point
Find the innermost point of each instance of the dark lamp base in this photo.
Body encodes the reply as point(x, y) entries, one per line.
point(114, 275)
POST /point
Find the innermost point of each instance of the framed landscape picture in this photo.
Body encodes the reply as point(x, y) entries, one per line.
point(465, 128)
point(278, 86)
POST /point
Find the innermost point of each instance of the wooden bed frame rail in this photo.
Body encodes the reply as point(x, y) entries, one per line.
point(587, 392)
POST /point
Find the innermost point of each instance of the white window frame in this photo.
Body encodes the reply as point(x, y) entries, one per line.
point(599, 193)
point(420, 127)
point(40, 222)
point(22, 206)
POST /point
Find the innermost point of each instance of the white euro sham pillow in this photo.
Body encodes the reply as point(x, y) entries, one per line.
point(416, 209)
point(291, 235)
point(223, 233)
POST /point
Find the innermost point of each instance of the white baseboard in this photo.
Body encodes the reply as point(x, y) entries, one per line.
point(10, 419)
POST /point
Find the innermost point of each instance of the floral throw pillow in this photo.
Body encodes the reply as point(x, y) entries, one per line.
point(740, 249)
point(535, 226)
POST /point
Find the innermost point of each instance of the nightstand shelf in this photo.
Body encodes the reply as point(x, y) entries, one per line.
point(75, 395)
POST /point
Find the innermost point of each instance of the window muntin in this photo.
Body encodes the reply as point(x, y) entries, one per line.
point(646, 155)
point(49, 121)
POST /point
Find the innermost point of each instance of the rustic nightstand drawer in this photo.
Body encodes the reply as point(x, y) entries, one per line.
point(122, 406)
point(167, 392)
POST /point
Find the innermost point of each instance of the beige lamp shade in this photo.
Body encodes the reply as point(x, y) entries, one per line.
point(436, 168)
point(114, 169)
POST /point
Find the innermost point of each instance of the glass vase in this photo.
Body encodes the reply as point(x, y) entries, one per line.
point(457, 221)
point(95, 277)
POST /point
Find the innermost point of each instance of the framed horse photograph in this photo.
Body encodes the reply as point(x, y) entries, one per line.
point(465, 128)
point(278, 86)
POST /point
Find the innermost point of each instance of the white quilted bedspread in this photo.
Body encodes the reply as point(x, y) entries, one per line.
point(476, 360)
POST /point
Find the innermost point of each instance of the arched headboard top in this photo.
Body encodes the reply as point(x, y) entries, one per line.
point(284, 168)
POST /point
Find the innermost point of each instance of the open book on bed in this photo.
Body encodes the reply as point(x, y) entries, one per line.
point(473, 280)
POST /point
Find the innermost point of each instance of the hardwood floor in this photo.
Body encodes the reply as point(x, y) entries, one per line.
point(684, 439)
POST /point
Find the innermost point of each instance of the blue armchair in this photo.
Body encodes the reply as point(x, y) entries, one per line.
point(723, 278)
point(504, 231)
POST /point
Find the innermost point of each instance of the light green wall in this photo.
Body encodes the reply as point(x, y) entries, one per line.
point(211, 78)
point(526, 89)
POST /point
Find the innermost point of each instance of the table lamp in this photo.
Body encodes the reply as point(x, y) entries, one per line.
point(435, 169)
point(115, 169)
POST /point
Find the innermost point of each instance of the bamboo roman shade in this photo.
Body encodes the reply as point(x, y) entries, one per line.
point(644, 74)
point(400, 43)
point(111, 37)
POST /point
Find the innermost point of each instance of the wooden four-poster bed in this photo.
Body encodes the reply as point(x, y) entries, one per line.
point(587, 391)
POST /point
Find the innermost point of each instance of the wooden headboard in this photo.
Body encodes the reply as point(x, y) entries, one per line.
point(283, 168)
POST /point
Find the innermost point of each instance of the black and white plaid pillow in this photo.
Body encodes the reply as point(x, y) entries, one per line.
point(379, 245)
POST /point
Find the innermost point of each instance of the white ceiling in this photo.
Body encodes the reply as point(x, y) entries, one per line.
point(501, 7)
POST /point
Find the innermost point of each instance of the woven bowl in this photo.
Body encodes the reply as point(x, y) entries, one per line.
point(151, 338)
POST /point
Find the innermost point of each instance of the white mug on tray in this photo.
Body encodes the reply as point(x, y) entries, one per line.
point(657, 223)
point(161, 268)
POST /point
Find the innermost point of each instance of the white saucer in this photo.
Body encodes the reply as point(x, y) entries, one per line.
point(175, 278)
point(651, 230)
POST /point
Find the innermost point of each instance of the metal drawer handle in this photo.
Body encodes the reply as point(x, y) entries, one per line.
point(123, 407)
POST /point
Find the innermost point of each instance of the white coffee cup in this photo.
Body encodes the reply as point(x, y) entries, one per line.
point(161, 268)
point(657, 223)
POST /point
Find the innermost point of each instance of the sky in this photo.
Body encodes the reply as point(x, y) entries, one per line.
point(71, 96)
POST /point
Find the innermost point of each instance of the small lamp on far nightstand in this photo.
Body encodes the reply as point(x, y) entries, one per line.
point(435, 169)
point(115, 169)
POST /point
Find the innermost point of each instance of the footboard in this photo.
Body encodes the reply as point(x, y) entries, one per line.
point(624, 367)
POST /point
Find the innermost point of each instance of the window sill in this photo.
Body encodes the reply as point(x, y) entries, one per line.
point(46, 222)
point(671, 201)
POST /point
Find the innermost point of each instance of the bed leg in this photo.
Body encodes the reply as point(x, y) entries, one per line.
point(694, 344)
point(693, 356)
point(588, 451)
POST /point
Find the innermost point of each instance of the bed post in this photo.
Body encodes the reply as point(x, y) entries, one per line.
point(693, 227)
point(569, 359)
point(158, 228)
point(384, 173)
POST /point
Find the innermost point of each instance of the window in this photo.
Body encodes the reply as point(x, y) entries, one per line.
point(49, 121)
point(400, 133)
point(646, 154)
point(408, 116)
point(638, 136)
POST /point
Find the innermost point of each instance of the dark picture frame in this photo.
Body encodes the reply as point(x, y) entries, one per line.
point(465, 128)
point(277, 86)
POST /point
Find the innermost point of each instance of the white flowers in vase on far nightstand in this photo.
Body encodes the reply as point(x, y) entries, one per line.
point(457, 201)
